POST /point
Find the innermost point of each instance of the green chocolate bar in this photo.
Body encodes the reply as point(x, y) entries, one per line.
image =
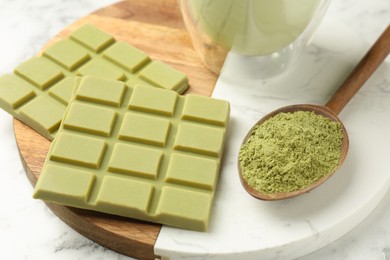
point(137, 151)
point(38, 91)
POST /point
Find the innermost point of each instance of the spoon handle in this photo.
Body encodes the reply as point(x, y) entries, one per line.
point(361, 73)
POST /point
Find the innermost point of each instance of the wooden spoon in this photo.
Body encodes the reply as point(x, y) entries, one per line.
point(337, 102)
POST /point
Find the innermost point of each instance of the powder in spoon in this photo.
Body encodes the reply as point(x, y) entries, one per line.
point(290, 151)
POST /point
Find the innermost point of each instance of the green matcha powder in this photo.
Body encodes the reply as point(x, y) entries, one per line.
point(290, 151)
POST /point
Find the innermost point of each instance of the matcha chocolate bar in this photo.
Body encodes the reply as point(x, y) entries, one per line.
point(137, 151)
point(38, 91)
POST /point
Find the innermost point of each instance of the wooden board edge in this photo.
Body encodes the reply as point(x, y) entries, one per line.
point(84, 221)
point(141, 247)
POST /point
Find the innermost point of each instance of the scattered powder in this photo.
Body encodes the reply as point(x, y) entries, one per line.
point(290, 151)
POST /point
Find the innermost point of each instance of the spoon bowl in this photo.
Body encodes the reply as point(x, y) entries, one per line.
point(319, 110)
point(331, 109)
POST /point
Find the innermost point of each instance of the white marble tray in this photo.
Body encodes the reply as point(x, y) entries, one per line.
point(245, 228)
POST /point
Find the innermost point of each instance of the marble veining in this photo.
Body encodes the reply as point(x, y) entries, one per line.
point(29, 230)
point(292, 228)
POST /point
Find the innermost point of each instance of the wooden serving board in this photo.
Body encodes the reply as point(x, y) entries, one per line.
point(156, 27)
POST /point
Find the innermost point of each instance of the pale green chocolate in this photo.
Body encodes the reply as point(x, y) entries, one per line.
point(50, 78)
point(79, 150)
point(124, 196)
point(199, 138)
point(63, 90)
point(185, 207)
point(158, 101)
point(79, 184)
point(135, 160)
point(197, 110)
point(39, 72)
point(101, 68)
point(181, 171)
point(126, 56)
point(14, 92)
point(68, 54)
point(92, 38)
point(148, 129)
point(150, 153)
point(96, 92)
point(136, 80)
point(162, 75)
point(36, 114)
point(90, 118)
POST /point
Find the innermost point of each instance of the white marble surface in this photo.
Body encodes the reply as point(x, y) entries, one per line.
point(28, 230)
point(296, 227)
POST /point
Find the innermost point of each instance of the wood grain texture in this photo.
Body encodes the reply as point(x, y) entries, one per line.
point(156, 28)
